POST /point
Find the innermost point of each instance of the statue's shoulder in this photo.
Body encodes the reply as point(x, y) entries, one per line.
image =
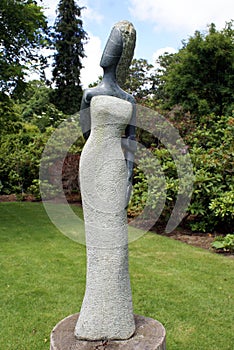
point(125, 95)
point(91, 92)
point(130, 98)
point(88, 94)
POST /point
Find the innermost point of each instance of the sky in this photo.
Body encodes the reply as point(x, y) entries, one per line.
point(161, 25)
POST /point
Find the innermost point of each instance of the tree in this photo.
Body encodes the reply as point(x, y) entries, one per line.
point(69, 38)
point(139, 80)
point(23, 29)
point(200, 77)
point(36, 107)
point(10, 119)
point(159, 75)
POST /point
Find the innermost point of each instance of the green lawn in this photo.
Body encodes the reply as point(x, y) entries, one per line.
point(42, 274)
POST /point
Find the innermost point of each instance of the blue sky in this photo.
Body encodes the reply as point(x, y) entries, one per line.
point(161, 25)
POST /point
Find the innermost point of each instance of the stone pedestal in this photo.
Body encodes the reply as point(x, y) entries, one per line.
point(149, 335)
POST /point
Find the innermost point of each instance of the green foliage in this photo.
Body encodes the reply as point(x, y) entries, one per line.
point(22, 32)
point(40, 192)
point(140, 196)
point(69, 38)
point(138, 81)
point(225, 244)
point(223, 205)
point(37, 108)
point(200, 76)
point(20, 158)
point(181, 120)
point(159, 76)
point(211, 151)
point(212, 155)
point(34, 189)
point(156, 182)
point(10, 119)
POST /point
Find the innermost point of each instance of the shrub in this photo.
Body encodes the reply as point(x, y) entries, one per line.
point(212, 154)
point(19, 160)
point(211, 150)
point(225, 244)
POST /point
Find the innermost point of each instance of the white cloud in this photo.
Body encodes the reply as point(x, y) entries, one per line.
point(186, 15)
point(87, 13)
point(161, 51)
point(90, 14)
point(50, 7)
point(92, 69)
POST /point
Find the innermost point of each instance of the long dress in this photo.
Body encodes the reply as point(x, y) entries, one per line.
point(106, 311)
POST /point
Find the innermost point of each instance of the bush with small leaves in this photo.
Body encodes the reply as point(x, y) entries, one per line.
point(225, 244)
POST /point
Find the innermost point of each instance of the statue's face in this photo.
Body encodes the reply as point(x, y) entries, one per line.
point(113, 49)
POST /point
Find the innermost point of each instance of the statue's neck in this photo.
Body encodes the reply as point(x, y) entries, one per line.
point(109, 76)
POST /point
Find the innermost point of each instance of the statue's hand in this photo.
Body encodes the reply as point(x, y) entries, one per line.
point(129, 164)
point(128, 193)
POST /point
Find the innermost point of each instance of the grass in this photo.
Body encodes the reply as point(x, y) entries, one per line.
point(42, 272)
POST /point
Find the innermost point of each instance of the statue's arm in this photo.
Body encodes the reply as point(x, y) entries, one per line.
point(129, 141)
point(85, 118)
point(129, 147)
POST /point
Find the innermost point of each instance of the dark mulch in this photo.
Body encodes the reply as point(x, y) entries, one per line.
point(8, 198)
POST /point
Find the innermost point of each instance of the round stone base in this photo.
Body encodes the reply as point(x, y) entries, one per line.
point(149, 335)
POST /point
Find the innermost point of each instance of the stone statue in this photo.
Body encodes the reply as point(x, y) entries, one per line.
point(108, 123)
point(115, 61)
point(108, 114)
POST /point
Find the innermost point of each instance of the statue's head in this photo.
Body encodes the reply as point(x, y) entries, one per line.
point(119, 49)
point(113, 49)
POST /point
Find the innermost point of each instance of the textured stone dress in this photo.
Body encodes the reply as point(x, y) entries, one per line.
point(106, 311)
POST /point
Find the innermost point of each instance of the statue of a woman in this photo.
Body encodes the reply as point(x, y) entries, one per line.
point(106, 164)
point(115, 61)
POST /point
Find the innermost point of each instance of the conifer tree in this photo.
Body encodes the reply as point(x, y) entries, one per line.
point(69, 38)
